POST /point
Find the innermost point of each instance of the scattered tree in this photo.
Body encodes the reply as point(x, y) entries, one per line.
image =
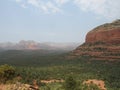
point(7, 72)
point(70, 83)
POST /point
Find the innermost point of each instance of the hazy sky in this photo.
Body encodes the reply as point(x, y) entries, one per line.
point(54, 20)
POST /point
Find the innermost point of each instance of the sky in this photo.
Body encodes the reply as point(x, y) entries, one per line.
point(54, 20)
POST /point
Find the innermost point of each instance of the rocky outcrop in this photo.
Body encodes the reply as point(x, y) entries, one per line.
point(18, 86)
point(15, 87)
point(101, 43)
point(99, 83)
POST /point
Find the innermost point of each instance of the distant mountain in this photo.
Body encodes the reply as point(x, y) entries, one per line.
point(102, 43)
point(32, 45)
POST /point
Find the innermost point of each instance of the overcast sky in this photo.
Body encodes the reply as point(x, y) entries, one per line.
point(54, 20)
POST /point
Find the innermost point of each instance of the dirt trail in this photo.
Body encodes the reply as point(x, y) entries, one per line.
point(51, 81)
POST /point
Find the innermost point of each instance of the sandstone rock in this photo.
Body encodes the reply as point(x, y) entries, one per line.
point(17, 86)
point(108, 33)
point(102, 43)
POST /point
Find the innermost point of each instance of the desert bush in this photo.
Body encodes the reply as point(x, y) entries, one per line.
point(7, 72)
point(70, 83)
point(89, 87)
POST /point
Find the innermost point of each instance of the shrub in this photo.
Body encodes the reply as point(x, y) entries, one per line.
point(89, 87)
point(70, 83)
point(7, 72)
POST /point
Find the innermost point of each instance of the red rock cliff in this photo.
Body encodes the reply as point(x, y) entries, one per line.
point(103, 42)
point(108, 33)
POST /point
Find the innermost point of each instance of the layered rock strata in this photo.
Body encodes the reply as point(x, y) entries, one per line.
point(101, 43)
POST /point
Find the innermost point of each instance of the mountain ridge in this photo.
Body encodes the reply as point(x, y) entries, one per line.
point(32, 45)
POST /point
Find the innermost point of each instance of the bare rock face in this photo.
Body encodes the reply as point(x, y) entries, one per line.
point(108, 33)
point(101, 43)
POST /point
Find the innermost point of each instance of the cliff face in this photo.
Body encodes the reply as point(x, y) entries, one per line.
point(111, 36)
point(101, 43)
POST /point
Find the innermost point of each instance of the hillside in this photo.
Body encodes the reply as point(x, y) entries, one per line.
point(102, 43)
point(31, 57)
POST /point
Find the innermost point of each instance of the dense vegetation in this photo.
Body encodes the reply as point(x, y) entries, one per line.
point(57, 66)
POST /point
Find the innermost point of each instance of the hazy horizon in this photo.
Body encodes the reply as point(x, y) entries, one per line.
point(33, 45)
point(14, 42)
point(57, 21)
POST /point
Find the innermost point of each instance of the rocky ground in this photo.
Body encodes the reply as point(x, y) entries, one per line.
point(18, 86)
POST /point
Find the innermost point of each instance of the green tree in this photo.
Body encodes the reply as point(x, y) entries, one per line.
point(70, 83)
point(47, 88)
point(7, 72)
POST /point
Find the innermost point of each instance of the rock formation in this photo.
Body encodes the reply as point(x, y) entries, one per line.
point(101, 43)
point(99, 83)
